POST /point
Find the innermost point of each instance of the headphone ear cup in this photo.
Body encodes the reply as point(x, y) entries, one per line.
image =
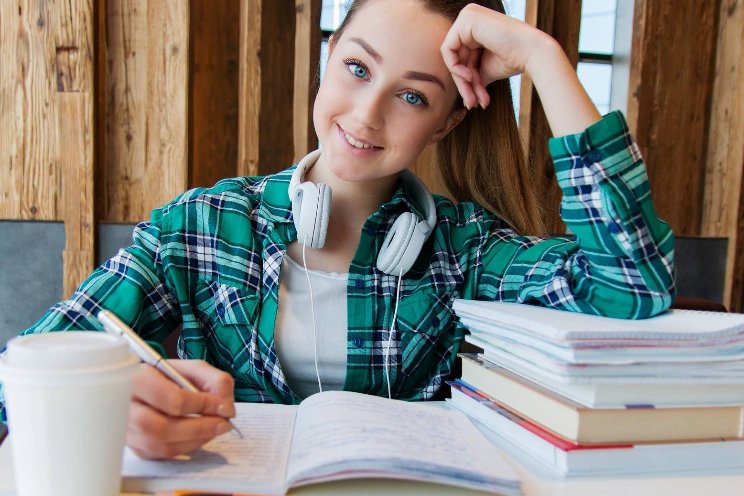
point(304, 211)
point(322, 214)
point(395, 247)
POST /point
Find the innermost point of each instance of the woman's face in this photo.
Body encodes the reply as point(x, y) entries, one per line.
point(386, 92)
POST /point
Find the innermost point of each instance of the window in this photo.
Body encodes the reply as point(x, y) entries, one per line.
point(596, 49)
point(331, 14)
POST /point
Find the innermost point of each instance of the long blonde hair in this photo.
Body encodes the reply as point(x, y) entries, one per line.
point(482, 158)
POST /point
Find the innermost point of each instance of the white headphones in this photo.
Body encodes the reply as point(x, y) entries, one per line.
point(311, 205)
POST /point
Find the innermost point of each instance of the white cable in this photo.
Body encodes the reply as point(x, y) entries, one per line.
point(312, 311)
point(390, 335)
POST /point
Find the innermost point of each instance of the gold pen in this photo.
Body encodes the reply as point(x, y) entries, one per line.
point(113, 325)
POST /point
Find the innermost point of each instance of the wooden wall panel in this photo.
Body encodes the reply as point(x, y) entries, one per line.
point(46, 117)
point(76, 164)
point(74, 69)
point(213, 95)
point(249, 92)
point(146, 157)
point(723, 205)
point(670, 87)
point(29, 185)
point(306, 75)
point(267, 54)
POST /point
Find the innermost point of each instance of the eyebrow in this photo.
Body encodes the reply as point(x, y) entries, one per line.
point(414, 75)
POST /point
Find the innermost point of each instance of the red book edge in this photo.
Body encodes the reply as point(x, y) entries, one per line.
point(548, 436)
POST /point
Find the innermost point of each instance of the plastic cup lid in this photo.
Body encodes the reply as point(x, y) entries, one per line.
point(66, 350)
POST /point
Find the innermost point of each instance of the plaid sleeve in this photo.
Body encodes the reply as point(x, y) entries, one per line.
point(131, 284)
point(621, 262)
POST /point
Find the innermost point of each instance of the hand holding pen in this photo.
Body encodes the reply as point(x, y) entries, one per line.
point(176, 408)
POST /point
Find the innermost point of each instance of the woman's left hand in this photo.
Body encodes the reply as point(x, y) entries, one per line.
point(483, 46)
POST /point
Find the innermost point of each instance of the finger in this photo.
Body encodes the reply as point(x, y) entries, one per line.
point(476, 81)
point(481, 93)
point(466, 91)
point(461, 71)
point(149, 429)
point(206, 377)
point(480, 90)
point(154, 389)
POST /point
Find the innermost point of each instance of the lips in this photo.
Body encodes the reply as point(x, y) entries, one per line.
point(356, 141)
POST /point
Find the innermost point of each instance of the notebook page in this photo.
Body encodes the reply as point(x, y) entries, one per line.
point(339, 432)
point(256, 463)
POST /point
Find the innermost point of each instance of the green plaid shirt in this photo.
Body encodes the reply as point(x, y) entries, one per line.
point(209, 262)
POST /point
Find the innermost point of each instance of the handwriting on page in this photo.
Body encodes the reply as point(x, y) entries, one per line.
point(371, 429)
point(260, 457)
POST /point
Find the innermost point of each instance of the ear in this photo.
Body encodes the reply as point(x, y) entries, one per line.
point(453, 119)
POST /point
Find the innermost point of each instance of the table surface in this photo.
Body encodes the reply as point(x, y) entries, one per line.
point(536, 480)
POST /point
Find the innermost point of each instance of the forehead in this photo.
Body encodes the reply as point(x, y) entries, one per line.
point(402, 32)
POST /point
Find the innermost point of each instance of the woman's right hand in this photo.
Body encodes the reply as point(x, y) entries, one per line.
point(166, 421)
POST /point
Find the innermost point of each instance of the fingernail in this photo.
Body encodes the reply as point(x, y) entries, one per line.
point(225, 410)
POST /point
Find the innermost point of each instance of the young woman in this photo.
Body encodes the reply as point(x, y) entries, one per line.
point(276, 298)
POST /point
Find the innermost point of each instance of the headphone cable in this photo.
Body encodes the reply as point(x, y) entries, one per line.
point(312, 310)
point(390, 335)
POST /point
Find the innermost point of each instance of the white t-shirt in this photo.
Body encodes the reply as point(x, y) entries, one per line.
point(293, 330)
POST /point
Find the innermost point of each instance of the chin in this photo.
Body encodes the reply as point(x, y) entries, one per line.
point(346, 172)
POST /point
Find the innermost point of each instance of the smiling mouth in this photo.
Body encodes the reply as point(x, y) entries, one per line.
point(362, 145)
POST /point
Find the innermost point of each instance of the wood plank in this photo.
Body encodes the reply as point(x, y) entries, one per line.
point(74, 58)
point(723, 205)
point(28, 114)
point(277, 88)
point(306, 75)
point(267, 43)
point(249, 131)
point(146, 157)
point(670, 86)
point(74, 45)
point(213, 96)
point(76, 163)
point(100, 79)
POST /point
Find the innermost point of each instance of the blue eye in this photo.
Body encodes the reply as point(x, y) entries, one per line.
point(357, 68)
point(414, 98)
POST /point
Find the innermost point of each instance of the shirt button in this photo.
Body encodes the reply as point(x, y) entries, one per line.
point(358, 342)
point(614, 227)
point(359, 283)
point(434, 321)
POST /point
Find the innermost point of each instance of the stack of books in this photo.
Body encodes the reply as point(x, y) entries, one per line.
point(590, 395)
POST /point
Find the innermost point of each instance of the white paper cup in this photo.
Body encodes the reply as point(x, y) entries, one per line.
point(67, 397)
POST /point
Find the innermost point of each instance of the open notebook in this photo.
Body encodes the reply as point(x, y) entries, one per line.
point(331, 436)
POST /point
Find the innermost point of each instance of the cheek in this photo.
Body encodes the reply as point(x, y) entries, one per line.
point(414, 133)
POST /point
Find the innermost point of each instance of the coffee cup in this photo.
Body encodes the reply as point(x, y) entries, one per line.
point(67, 398)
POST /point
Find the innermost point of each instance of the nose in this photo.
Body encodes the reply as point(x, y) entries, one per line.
point(369, 109)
